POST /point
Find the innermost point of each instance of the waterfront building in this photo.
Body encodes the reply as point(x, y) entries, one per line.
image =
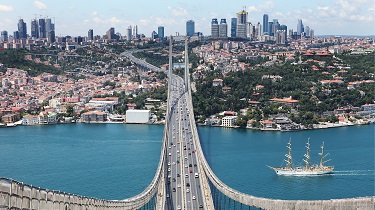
point(228, 121)
point(265, 24)
point(223, 28)
point(34, 29)
point(233, 27)
point(190, 28)
point(138, 116)
point(90, 34)
point(94, 116)
point(161, 32)
point(4, 36)
point(214, 28)
point(22, 30)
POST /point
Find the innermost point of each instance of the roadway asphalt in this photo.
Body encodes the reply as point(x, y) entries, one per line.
point(183, 188)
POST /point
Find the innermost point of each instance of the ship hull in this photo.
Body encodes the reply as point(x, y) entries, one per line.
point(302, 172)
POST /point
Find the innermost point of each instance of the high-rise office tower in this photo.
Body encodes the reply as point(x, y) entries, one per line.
point(265, 23)
point(49, 25)
point(283, 27)
point(135, 31)
point(190, 28)
point(270, 27)
point(22, 29)
point(129, 33)
point(312, 33)
point(154, 35)
point(161, 32)
point(51, 37)
point(275, 26)
point(214, 28)
point(241, 23)
point(258, 31)
point(233, 27)
point(90, 34)
point(4, 36)
point(34, 29)
point(223, 28)
point(16, 35)
point(249, 32)
point(280, 36)
point(42, 28)
point(307, 31)
point(111, 33)
point(299, 27)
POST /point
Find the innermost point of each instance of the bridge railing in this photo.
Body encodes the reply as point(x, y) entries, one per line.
point(267, 203)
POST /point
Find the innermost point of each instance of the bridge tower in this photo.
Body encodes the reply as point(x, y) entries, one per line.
point(186, 75)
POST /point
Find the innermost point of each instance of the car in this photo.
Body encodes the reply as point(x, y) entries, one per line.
point(193, 197)
point(167, 195)
point(174, 179)
point(170, 147)
point(169, 154)
point(187, 184)
point(200, 206)
point(169, 169)
point(189, 148)
point(195, 164)
point(178, 175)
point(187, 190)
point(191, 171)
point(186, 157)
point(178, 161)
point(186, 166)
point(173, 163)
point(174, 145)
point(178, 185)
point(186, 175)
point(169, 163)
point(178, 207)
point(174, 190)
point(192, 151)
point(178, 151)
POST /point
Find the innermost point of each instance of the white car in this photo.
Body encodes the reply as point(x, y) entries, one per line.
point(187, 190)
point(178, 185)
point(169, 169)
point(193, 197)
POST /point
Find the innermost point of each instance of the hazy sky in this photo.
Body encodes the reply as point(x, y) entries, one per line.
point(75, 17)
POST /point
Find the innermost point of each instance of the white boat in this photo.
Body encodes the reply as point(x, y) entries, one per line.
point(307, 170)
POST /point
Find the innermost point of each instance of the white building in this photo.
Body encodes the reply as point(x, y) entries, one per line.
point(228, 121)
point(138, 116)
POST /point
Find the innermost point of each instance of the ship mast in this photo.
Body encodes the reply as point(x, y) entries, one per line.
point(289, 155)
point(307, 155)
point(322, 156)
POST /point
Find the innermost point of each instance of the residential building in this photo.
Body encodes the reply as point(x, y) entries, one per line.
point(30, 120)
point(228, 121)
point(217, 82)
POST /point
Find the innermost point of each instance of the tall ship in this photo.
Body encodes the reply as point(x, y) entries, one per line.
point(308, 169)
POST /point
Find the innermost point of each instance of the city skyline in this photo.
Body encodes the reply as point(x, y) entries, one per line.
point(348, 17)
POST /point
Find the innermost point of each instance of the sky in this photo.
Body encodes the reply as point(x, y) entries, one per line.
point(76, 17)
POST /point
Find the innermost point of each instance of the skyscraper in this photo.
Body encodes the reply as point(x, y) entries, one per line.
point(16, 35)
point(22, 29)
point(111, 33)
point(270, 27)
point(49, 25)
point(135, 31)
point(299, 27)
point(4, 36)
point(223, 28)
point(42, 28)
point(241, 23)
point(90, 34)
point(265, 24)
point(233, 27)
point(51, 36)
point(34, 29)
point(307, 31)
point(190, 28)
point(214, 28)
point(161, 32)
point(129, 33)
point(275, 26)
point(280, 36)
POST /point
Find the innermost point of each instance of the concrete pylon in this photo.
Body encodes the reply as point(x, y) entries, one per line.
point(186, 75)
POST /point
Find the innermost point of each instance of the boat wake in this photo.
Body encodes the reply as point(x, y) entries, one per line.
point(353, 173)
